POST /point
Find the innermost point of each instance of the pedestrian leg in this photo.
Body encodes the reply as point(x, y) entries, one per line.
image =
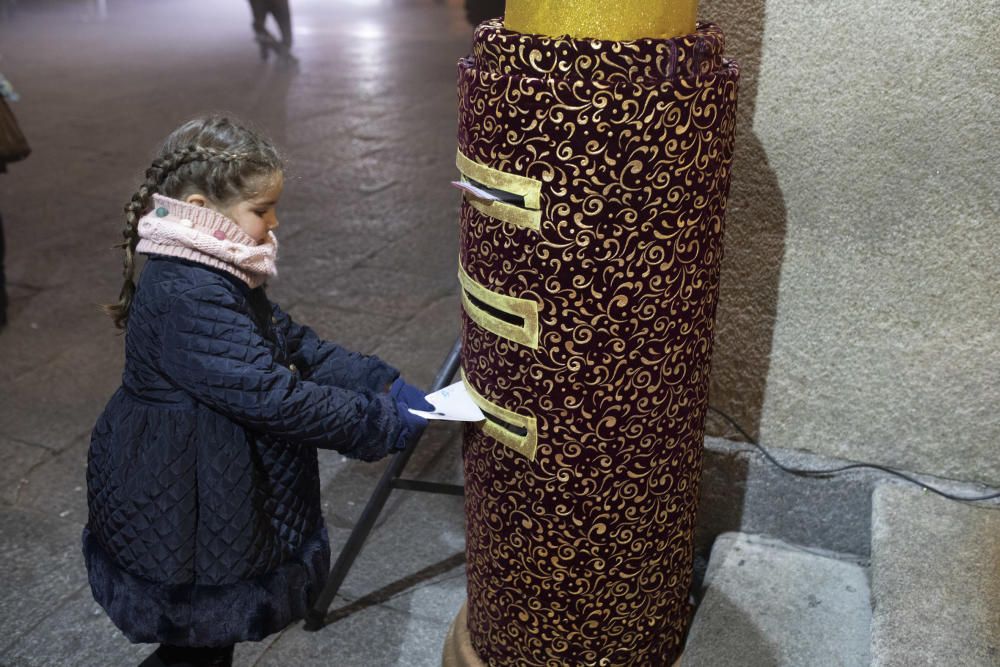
point(283, 16)
point(265, 40)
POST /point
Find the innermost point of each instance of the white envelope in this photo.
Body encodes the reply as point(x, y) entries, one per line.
point(474, 191)
point(452, 403)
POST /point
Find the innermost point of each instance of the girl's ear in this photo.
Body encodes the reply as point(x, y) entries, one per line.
point(196, 199)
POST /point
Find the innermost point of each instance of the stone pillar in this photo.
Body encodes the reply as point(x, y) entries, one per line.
point(590, 269)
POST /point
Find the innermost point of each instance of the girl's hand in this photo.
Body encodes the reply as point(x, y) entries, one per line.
point(412, 396)
point(413, 426)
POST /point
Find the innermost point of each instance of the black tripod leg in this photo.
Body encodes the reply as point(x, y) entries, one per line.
point(316, 618)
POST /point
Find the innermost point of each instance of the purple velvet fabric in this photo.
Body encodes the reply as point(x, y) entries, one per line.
point(583, 555)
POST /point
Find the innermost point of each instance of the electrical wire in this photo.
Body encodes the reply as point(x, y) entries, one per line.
point(853, 466)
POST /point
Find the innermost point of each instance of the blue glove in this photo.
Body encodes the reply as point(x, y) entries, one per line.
point(412, 396)
point(413, 426)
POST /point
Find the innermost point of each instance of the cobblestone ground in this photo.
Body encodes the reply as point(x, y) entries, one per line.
point(369, 247)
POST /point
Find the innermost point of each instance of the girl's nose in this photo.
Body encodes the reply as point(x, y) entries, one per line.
point(272, 222)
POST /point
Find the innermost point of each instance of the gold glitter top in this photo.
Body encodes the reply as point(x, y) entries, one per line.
point(618, 20)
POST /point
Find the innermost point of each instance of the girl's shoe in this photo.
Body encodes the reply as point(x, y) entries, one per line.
point(183, 656)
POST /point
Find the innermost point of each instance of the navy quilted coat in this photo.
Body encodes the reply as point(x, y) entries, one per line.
point(203, 486)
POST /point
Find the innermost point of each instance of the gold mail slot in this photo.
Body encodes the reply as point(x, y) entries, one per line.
point(516, 431)
point(506, 316)
point(520, 196)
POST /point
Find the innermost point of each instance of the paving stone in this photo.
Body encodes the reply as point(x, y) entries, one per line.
point(770, 604)
point(311, 260)
point(37, 332)
point(59, 485)
point(416, 532)
point(438, 456)
point(431, 249)
point(77, 632)
point(19, 295)
point(438, 599)
point(348, 483)
point(378, 291)
point(58, 402)
point(248, 653)
point(19, 460)
point(376, 636)
point(743, 492)
point(353, 329)
point(419, 348)
point(42, 567)
point(35, 222)
point(935, 583)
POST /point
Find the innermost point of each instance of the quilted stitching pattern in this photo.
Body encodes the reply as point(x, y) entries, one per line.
point(143, 495)
point(202, 468)
point(329, 363)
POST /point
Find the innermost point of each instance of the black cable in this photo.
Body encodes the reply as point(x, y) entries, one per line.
point(853, 466)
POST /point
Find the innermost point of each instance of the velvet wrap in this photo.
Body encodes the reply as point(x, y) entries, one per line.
point(589, 304)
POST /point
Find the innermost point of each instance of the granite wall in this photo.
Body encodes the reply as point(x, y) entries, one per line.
point(861, 286)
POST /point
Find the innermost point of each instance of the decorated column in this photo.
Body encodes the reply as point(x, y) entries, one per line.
point(590, 247)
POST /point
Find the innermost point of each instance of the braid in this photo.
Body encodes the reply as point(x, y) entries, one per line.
point(139, 204)
point(214, 156)
point(133, 211)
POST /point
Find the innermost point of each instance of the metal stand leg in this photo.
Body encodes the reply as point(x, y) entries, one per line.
point(316, 618)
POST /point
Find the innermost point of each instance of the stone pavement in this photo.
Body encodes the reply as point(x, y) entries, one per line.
point(369, 248)
point(768, 602)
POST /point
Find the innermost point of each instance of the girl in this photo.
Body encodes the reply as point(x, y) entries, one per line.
point(203, 487)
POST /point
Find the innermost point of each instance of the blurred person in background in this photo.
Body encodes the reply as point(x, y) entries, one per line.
point(267, 42)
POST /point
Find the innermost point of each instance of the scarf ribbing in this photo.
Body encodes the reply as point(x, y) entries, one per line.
point(199, 234)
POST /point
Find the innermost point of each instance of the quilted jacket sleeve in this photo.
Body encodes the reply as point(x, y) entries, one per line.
point(328, 363)
point(211, 349)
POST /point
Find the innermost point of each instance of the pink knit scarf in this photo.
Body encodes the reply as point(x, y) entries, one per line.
point(198, 233)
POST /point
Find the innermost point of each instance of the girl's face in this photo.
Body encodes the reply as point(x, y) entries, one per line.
point(258, 215)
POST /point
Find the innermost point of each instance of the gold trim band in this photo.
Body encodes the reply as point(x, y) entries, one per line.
point(522, 186)
point(522, 444)
point(530, 189)
point(525, 310)
point(515, 215)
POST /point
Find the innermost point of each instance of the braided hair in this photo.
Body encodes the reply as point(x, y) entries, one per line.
point(215, 156)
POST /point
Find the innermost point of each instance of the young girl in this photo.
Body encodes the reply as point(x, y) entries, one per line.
point(203, 487)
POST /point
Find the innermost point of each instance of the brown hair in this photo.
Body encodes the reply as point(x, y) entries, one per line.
point(215, 156)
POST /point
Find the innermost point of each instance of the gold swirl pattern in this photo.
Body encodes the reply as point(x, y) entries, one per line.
point(582, 555)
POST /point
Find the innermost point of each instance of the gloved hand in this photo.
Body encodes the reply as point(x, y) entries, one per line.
point(412, 396)
point(413, 426)
point(407, 396)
